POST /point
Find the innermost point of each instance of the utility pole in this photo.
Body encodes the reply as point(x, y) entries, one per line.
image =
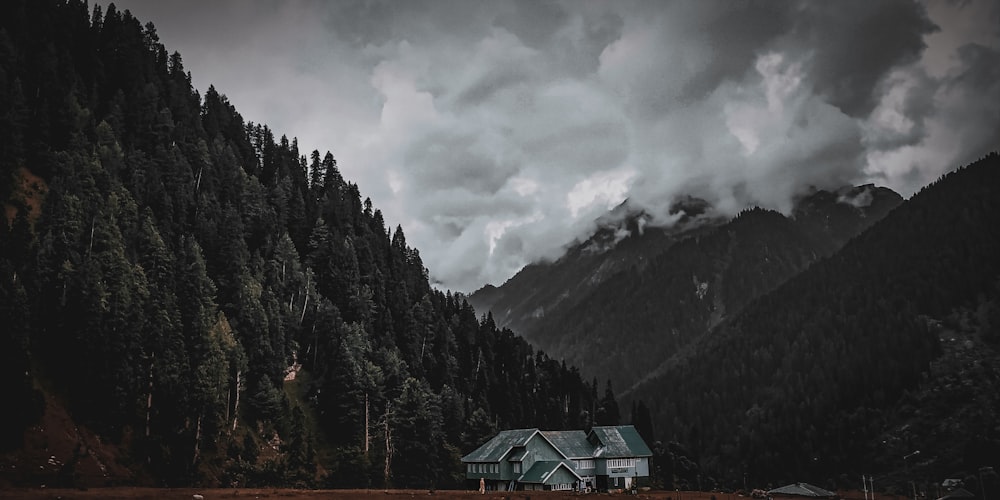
point(982, 485)
point(907, 464)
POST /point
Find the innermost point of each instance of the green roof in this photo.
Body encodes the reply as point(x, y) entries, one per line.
point(619, 441)
point(603, 442)
point(543, 470)
point(802, 490)
point(518, 454)
point(572, 444)
point(495, 449)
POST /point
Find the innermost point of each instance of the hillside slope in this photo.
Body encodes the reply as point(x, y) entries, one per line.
point(621, 241)
point(807, 379)
point(214, 305)
point(648, 293)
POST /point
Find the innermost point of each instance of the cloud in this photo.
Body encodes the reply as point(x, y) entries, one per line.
point(849, 46)
point(495, 133)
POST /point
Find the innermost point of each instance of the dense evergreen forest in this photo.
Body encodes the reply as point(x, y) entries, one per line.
point(222, 307)
point(887, 347)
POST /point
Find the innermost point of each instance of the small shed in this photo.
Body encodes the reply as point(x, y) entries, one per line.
point(799, 490)
point(958, 494)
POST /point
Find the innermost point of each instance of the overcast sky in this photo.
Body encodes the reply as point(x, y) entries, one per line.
point(496, 132)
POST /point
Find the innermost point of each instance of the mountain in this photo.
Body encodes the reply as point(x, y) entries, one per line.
point(622, 239)
point(186, 298)
point(645, 292)
point(886, 347)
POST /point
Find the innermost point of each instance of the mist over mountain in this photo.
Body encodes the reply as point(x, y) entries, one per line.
point(633, 294)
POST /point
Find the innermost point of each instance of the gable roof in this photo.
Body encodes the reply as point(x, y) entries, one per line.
point(619, 441)
point(959, 493)
point(572, 444)
point(543, 470)
point(495, 449)
point(518, 454)
point(802, 490)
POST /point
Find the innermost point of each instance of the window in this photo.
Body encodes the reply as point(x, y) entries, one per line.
point(469, 468)
point(517, 467)
point(618, 463)
point(561, 487)
point(584, 464)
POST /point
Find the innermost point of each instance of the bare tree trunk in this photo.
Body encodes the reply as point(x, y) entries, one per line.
point(304, 304)
point(149, 395)
point(306, 301)
point(388, 450)
point(236, 406)
point(90, 247)
point(229, 401)
point(315, 344)
point(197, 442)
point(366, 424)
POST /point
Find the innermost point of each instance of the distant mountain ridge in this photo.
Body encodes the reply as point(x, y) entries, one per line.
point(619, 311)
point(623, 238)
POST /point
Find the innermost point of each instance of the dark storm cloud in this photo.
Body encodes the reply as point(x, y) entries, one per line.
point(456, 160)
point(853, 44)
point(913, 93)
point(495, 132)
point(975, 94)
point(736, 32)
point(488, 84)
point(534, 22)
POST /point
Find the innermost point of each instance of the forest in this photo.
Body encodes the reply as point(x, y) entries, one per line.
point(221, 307)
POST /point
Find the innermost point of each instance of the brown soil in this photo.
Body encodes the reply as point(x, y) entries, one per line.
point(56, 451)
point(290, 494)
point(29, 192)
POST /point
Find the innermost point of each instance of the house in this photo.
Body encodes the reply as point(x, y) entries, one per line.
point(621, 455)
point(607, 457)
point(958, 494)
point(799, 490)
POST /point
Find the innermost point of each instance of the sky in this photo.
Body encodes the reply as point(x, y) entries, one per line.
point(496, 132)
